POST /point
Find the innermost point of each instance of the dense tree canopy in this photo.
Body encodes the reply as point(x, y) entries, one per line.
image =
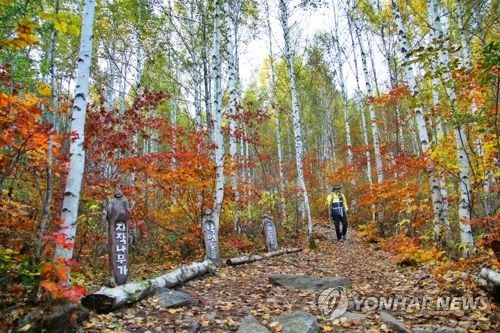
point(395, 100)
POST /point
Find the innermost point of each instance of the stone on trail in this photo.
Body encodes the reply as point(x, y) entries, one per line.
point(438, 329)
point(393, 323)
point(298, 322)
point(251, 325)
point(304, 282)
point(173, 298)
point(193, 327)
point(353, 316)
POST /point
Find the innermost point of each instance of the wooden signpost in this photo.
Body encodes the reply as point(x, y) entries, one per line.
point(270, 232)
point(211, 237)
point(117, 216)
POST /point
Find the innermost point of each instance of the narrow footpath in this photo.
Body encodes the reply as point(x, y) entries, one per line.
point(222, 300)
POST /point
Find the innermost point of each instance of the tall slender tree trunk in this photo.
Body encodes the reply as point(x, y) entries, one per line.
point(111, 77)
point(217, 117)
point(297, 130)
point(138, 46)
point(77, 155)
point(371, 108)
point(372, 62)
point(48, 190)
point(440, 132)
point(465, 204)
point(195, 70)
point(343, 89)
point(478, 142)
point(232, 108)
point(206, 73)
point(361, 109)
point(440, 220)
point(272, 96)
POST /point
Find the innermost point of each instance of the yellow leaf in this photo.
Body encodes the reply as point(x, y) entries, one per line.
point(44, 89)
point(74, 29)
point(17, 43)
point(60, 26)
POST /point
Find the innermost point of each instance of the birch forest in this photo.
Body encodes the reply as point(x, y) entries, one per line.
point(191, 147)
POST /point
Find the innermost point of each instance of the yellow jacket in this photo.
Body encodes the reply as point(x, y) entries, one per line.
point(334, 197)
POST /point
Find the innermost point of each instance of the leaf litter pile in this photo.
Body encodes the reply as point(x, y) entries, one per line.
point(224, 298)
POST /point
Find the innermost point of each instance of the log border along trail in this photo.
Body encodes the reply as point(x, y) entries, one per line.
point(221, 300)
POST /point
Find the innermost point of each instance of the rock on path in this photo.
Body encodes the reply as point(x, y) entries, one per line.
point(304, 282)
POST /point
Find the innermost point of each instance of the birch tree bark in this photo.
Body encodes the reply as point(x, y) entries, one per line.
point(478, 142)
point(77, 155)
point(195, 66)
point(341, 79)
point(272, 97)
point(138, 46)
point(112, 67)
point(372, 62)
point(361, 110)
point(206, 71)
point(232, 107)
point(51, 120)
point(217, 116)
point(440, 215)
point(464, 209)
point(297, 130)
point(371, 108)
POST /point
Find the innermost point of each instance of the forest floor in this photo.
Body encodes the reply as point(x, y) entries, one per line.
point(225, 297)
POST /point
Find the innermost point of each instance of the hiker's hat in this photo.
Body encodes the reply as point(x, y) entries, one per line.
point(336, 187)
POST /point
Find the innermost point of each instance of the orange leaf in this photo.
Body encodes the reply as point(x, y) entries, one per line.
point(62, 273)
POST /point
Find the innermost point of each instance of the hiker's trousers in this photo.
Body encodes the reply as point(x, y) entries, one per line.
point(336, 221)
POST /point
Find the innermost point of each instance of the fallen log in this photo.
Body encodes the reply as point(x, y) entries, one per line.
point(251, 258)
point(109, 299)
point(490, 276)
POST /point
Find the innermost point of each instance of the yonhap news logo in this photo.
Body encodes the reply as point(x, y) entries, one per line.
point(333, 303)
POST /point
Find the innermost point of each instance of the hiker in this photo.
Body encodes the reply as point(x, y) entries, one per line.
point(337, 205)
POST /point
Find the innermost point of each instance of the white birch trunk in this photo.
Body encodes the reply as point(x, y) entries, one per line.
point(345, 99)
point(206, 72)
point(478, 142)
point(371, 108)
point(372, 62)
point(232, 108)
point(490, 275)
point(248, 171)
point(256, 257)
point(71, 199)
point(218, 139)
point(195, 67)
point(440, 133)
point(272, 97)
point(243, 162)
point(330, 138)
point(123, 86)
point(138, 47)
point(440, 218)
point(110, 91)
point(464, 209)
point(361, 109)
point(466, 54)
point(109, 299)
point(297, 130)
